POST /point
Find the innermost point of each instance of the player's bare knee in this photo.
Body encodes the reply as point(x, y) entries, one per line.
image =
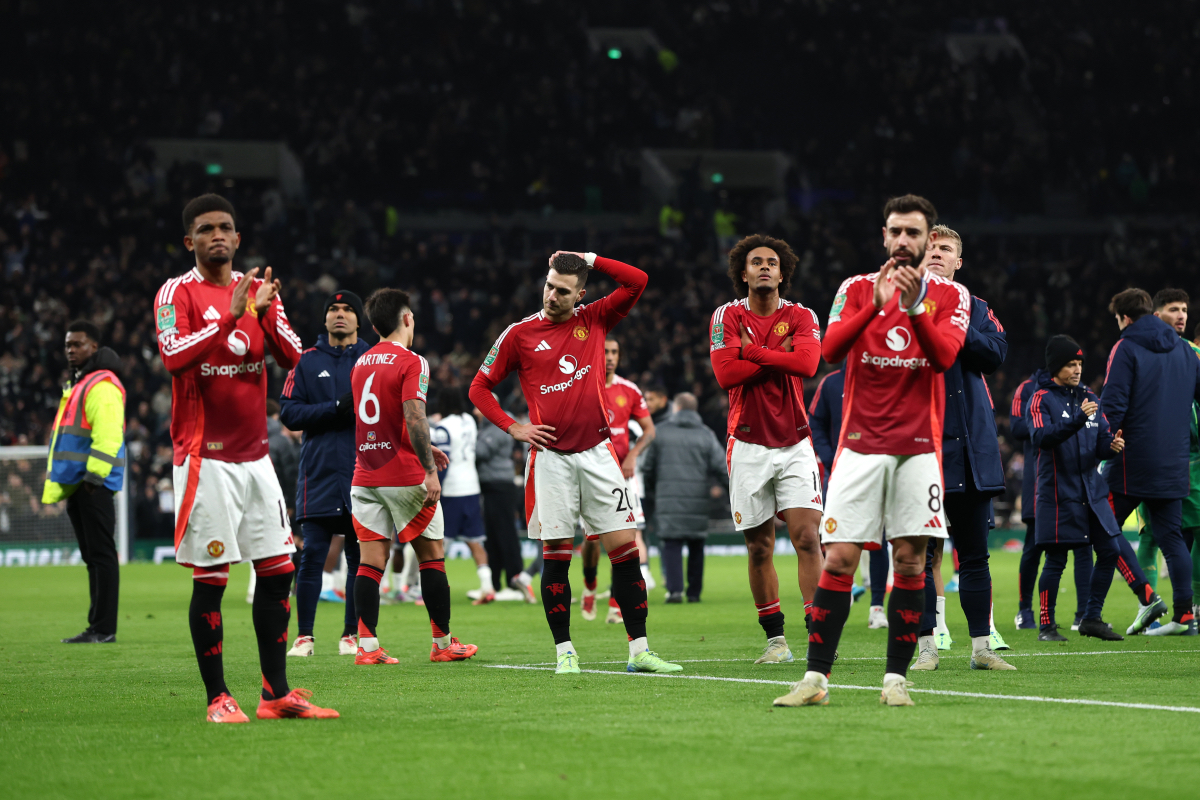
point(806, 539)
point(908, 563)
point(428, 549)
point(760, 548)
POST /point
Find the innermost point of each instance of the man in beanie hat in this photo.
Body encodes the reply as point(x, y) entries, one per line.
point(317, 400)
point(1072, 509)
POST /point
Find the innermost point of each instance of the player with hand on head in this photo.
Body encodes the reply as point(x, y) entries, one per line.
point(898, 330)
point(395, 486)
point(572, 470)
point(214, 328)
point(762, 347)
point(624, 403)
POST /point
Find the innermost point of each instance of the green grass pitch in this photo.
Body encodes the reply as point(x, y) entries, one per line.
point(128, 720)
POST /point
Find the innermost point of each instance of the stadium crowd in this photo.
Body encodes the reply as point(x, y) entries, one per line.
point(514, 110)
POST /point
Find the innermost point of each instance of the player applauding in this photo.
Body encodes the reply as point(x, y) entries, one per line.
point(214, 327)
point(898, 330)
point(572, 470)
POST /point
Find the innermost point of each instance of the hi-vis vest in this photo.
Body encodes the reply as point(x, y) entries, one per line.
point(71, 443)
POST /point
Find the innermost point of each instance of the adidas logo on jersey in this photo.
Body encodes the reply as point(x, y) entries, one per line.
point(631, 519)
point(211, 314)
point(323, 374)
point(934, 523)
point(541, 346)
point(1066, 415)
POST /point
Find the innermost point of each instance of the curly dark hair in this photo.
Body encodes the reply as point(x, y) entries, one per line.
point(740, 251)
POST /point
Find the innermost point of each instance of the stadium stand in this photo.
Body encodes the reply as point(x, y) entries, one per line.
point(394, 111)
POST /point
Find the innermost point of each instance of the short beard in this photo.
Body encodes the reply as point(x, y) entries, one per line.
point(218, 260)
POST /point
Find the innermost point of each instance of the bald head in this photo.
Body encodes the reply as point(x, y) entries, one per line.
point(685, 401)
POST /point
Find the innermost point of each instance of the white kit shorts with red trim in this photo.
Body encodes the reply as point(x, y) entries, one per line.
point(563, 488)
point(870, 493)
point(378, 512)
point(764, 481)
point(229, 511)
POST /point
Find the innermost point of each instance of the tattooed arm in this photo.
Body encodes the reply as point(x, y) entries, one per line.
point(418, 437)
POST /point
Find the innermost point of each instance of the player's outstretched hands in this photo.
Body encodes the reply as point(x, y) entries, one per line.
point(433, 489)
point(538, 436)
point(266, 292)
point(441, 461)
point(1089, 407)
point(1118, 442)
point(237, 304)
point(884, 288)
point(908, 281)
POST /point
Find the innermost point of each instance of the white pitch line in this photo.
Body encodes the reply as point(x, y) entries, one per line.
point(882, 658)
point(944, 692)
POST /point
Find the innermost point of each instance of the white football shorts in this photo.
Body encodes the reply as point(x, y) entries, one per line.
point(635, 500)
point(764, 481)
point(870, 493)
point(229, 511)
point(562, 488)
point(378, 512)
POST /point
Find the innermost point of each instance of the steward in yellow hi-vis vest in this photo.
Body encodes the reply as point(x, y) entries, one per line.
point(87, 464)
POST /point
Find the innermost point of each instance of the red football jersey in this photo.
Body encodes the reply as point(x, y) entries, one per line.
point(218, 366)
point(766, 406)
point(561, 365)
point(385, 377)
point(895, 397)
point(624, 402)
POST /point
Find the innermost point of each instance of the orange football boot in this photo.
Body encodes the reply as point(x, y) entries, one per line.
point(377, 656)
point(225, 709)
point(484, 599)
point(293, 705)
point(457, 651)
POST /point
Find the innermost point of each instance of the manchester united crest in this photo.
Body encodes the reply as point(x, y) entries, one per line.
point(780, 328)
point(215, 549)
point(580, 332)
point(830, 525)
point(737, 517)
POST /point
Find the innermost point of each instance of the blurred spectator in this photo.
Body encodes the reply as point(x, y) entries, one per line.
point(682, 463)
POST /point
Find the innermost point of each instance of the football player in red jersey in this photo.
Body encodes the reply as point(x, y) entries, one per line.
point(395, 486)
point(214, 326)
point(573, 471)
point(624, 402)
point(898, 331)
point(762, 347)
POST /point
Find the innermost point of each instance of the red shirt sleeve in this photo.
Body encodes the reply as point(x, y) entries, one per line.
point(851, 313)
point(640, 409)
point(941, 333)
point(501, 359)
point(725, 350)
point(179, 346)
point(282, 341)
point(415, 385)
point(631, 282)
